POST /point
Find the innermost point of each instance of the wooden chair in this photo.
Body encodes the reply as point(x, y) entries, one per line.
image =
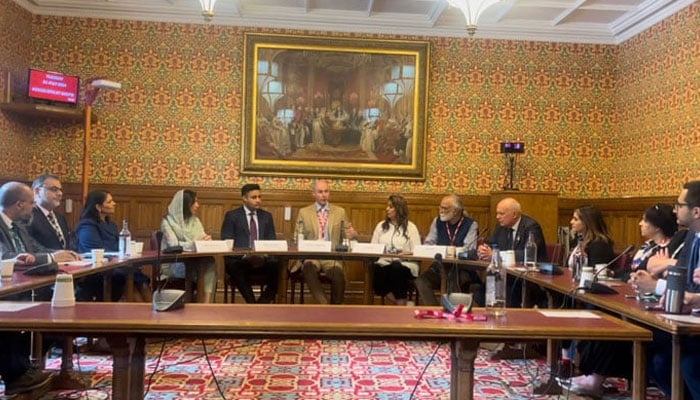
point(230, 285)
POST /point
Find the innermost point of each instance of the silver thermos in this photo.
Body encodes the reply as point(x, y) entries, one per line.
point(675, 290)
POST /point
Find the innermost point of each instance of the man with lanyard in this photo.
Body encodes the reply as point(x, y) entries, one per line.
point(452, 227)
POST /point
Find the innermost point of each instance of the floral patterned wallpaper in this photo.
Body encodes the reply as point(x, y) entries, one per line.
point(597, 120)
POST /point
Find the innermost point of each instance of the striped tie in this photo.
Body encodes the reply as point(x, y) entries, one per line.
point(322, 223)
point(57, 228)
point(19, 244)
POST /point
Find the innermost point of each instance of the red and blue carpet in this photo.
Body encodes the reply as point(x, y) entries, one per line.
point(297, 369)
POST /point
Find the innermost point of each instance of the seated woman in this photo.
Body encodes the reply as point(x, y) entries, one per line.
point(181, 227)
point(399, 235)
point(658, 227)
point(96, 230)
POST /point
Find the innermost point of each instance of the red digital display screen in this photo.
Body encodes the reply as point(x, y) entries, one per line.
point(53, 86)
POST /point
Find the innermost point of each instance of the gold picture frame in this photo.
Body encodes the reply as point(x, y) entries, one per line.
point(334, 107)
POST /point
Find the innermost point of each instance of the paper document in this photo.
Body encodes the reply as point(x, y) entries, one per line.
point(569, 314)
point(689, 319)
point(12, 306)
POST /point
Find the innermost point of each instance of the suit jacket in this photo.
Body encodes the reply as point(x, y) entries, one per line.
point(40, 252)
point(527, 225)
point(684, 260)
point(43, 232)
point(235, 226)
point(308, 216)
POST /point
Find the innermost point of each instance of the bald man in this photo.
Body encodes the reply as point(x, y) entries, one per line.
point(512, 231)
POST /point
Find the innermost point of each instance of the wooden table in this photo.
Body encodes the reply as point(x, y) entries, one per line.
point(627, 307)
point(127, 325)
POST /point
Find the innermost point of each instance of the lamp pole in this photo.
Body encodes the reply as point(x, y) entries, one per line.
point(90, 96)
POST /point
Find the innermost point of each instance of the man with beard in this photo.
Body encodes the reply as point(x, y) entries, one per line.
point(16, 204)
point(48, 227)
point(452, 227)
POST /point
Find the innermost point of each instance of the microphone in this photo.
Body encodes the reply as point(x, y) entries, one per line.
point(592, 285)
point(169, 299)
point(159, 238)
point(472, 255)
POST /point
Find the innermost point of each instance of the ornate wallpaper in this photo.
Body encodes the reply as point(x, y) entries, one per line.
point(597, 121)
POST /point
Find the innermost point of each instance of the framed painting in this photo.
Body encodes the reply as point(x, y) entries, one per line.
point(334, 107)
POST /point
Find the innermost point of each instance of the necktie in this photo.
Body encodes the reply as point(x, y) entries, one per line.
point(57, 228)
point(322, 223)
point(693, 258)
point(509, 241)
point(19, 245)
point(253, 227)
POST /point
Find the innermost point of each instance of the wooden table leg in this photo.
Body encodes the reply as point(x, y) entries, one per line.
point(677, 384)
point(138, 366)
point(283, 280)
point(639, 376)
point(121, 368)
point(462, 372)
point(369, 276)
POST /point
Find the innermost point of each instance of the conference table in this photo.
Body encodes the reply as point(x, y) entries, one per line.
point(625, 305)
point(128, 325)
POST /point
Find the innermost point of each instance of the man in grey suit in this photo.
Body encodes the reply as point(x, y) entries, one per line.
point(321, 221)
point(48, 227)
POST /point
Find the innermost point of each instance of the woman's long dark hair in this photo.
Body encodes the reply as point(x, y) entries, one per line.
point(188, 198)
point(596, 229)
point(93, 199)
point(399, 204)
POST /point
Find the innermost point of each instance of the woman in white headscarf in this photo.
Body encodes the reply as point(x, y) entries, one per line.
point(181, 227)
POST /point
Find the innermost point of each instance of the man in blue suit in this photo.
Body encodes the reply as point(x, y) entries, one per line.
point(244, 225)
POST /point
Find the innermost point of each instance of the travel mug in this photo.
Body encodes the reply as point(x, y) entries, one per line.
point(675, 290)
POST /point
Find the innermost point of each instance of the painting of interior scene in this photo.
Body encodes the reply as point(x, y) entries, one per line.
point(335, 105)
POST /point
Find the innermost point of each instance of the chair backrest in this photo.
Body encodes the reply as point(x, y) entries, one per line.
point(154, 240)
point(555, 253)
point(623, 264)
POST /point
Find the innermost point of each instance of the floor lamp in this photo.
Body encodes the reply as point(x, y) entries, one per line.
point(92, 89)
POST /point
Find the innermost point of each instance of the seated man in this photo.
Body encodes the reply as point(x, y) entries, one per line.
point(512, 232)
point(452, 227)
point(321, 221)
point(16, 204)
point(244, 225)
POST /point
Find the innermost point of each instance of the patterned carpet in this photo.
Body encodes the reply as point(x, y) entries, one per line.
point(298, 369)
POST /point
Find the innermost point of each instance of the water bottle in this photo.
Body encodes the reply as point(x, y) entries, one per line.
point(530, 260)
point(125, 241)
point(495, 286)
point(300, 232)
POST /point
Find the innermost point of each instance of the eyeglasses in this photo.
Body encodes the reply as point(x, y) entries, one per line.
point(679, 205)
point(54, 189)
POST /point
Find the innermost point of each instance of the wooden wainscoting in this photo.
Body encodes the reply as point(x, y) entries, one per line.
point(144, 206)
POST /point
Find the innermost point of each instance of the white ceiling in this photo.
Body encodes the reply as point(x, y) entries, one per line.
point(580, 21)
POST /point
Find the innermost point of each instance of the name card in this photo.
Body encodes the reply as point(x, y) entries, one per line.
point(315, 246)
point(367, 248)
point(429, 251)
point(211, 246)
point(270, 245)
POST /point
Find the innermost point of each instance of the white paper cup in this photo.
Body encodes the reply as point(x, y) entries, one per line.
point(229, 243)
point(97, 256)
point(136, 249)
point(63, 293)
point(508, 258)
point(599, 267)
point(7, 268)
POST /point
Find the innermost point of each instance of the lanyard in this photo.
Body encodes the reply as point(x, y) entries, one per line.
point(453, 235)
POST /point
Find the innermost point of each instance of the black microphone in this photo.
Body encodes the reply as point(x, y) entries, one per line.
point(613, 261)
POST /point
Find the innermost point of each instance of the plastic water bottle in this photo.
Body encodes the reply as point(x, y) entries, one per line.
point(495, 286)
point(125, 241)
point(530, 260)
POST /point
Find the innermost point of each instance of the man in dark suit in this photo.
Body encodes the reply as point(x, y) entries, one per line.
point(16, 203)
point(244, 225)
point(512, 232)
point(48, 227)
